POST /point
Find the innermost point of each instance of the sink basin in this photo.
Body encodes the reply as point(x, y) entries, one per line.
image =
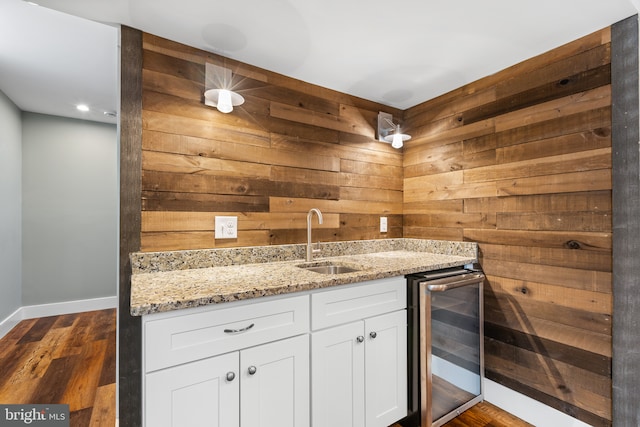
point(331, 269)
point(328, 268)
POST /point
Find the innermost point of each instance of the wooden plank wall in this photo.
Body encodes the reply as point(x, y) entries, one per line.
point(290, 147)
point(520, 162)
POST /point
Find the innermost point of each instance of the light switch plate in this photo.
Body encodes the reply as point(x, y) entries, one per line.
point(383, 224)
point(226, 227)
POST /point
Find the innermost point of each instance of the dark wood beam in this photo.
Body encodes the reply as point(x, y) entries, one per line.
point(626, 222)
point(129, 327)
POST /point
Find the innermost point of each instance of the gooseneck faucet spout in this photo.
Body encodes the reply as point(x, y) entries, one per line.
point(310, 250)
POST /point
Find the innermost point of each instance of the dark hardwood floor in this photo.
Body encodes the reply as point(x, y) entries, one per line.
point(72, 359)
point(484, 414)
point(67, 359)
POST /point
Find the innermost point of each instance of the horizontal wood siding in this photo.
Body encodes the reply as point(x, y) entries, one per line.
point(521, 162)
point(290, 147)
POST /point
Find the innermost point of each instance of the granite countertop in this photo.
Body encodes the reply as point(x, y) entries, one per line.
point(164, 282)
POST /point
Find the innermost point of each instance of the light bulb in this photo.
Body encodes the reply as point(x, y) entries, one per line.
point(397, 140)
point(224, 104)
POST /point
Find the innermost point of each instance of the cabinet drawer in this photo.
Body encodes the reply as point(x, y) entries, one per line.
point(337, 306)
point(186, 336)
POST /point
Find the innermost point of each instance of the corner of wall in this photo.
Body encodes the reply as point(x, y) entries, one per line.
point(11, 207)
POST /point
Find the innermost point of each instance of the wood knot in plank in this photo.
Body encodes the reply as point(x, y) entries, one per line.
point(573, 244)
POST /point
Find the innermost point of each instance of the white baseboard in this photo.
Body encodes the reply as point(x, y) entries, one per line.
point(526, 408)
point(7, 324)
point(55, 309)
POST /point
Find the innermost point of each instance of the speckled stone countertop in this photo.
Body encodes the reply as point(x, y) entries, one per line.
point(164, 281)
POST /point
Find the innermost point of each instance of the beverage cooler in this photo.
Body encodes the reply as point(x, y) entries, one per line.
point(446, 365)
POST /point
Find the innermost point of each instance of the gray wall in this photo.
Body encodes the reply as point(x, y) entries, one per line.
point(70, 209)
point(10, 207)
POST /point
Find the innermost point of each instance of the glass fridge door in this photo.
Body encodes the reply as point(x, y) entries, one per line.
point(452, 347)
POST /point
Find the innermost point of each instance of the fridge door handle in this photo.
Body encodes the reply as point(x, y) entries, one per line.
point(442, 285)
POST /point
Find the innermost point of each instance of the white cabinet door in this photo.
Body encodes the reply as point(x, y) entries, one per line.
point(356, 383)
point(275, 384)
point(386, 368)
point(200, 393)
point(337, 376)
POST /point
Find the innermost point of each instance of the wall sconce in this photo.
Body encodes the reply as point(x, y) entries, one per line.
point(390, 132)
point(218, 93)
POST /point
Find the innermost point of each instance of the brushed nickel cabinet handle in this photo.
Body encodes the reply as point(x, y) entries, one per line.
point(235, 331)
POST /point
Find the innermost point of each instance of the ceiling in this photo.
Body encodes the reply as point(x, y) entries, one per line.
point(51, 61)
point(397, 53)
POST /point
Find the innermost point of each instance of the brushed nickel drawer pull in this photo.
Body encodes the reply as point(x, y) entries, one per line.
point(235, 331)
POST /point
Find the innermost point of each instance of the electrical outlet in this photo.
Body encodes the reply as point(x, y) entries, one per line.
point(226, 227)
point(383, 224)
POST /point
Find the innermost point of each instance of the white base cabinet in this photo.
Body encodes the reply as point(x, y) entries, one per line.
point(263, 386)
point(326, 358)
point(359, 369)
point(231, 365)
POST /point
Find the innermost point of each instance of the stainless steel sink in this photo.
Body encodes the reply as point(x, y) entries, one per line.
point(329, 268)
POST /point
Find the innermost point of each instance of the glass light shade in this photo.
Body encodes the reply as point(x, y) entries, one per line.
point(397, 140)
point(224, 104)
point(223, 99)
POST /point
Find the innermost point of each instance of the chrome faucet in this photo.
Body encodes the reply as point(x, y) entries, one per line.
point(310, 250)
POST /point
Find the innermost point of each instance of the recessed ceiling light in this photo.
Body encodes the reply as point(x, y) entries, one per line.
point(82, 107)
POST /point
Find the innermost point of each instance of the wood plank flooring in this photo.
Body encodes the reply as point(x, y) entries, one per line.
point(72, 359)
point(484, 414)
point(68, 359)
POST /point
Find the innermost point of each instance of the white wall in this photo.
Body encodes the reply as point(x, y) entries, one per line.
point(10, 207)
point(70, 209)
